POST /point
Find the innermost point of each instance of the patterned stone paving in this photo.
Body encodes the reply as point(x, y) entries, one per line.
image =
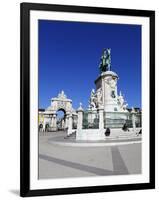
point(64, 161)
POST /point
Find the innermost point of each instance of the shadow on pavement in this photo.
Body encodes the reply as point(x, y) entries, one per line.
point(119, 166)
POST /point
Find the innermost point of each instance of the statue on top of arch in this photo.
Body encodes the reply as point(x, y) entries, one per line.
point(62, 95)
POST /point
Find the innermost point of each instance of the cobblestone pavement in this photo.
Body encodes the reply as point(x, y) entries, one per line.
point(66, 161)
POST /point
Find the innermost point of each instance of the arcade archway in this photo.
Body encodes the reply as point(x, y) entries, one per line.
point(61, 119)
point(61, 112)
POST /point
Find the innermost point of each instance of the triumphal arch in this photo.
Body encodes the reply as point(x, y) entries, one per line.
point(49, 117)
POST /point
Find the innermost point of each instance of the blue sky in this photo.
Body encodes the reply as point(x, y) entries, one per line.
point(69, 56)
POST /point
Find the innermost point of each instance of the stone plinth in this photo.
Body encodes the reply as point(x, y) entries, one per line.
point(69, 131)
point(80, 118)
point(90, 134)
point(101, 117)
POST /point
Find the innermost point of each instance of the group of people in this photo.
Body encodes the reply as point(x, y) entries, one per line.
point(125, 128)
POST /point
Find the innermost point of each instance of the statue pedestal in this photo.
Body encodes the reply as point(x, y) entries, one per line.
point(90, 134)
point(107, 83)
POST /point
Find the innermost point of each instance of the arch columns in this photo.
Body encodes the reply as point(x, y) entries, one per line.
point(53, 122)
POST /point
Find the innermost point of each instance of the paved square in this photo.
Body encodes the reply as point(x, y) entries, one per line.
point(57, 161)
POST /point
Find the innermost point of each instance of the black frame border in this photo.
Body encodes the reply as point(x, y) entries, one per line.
point(25, 9)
